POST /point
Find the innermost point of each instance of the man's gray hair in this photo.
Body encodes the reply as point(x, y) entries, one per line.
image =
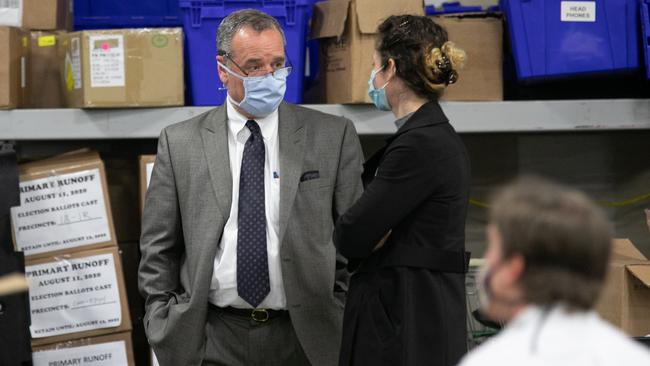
point(255, 19)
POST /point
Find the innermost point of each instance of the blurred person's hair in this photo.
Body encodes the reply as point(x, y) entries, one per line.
point(563, 236)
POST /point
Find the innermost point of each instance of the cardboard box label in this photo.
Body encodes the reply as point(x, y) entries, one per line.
point(75, 48)
point(107, 61)
point(46, 41)
point(578, 11)
point(11, 13)
point(23, 72)
point(73, 295)
point(103, 354)
point(61, 212)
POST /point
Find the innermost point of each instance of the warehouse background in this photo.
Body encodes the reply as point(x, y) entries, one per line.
point(602, 153)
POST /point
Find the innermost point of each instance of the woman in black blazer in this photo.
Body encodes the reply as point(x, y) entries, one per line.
point(405, 237)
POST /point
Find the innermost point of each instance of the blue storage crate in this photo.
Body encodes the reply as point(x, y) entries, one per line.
point(109, 14)
point(555, 39)
point(452, 8)
point(645, 36)
point(200, 22)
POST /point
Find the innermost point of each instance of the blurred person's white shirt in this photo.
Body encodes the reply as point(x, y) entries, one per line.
point(559, 338)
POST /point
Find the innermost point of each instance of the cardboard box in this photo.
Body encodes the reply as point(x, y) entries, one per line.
point(146, 167)
point(114, 349)
point(122, 68)
point(64, 206)
point(37, 14)
point(77, 295)
point(130, 254)
point(44, 71)
point(14, 62)
point(625, 301)
point(348, 31)
point(480, 35)
point(123, 189)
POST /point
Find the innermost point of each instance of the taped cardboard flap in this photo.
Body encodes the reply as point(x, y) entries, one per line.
point(78, 158)
point(623, 249)
point(372, 12)
point(329, 18)
point(641, 272)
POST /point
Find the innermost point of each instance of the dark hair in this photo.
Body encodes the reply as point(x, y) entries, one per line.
point(424, 58)
point(253, 18)
point(564, 238)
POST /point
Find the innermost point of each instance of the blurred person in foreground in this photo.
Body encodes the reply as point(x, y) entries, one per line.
point(406, 302)
point(546, 262)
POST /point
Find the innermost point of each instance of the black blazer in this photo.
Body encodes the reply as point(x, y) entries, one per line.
point(406, 302)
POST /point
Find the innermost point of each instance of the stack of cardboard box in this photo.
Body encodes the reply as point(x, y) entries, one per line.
point(348, 32)
point(44, 66)
point(77, 291)
point(29, 72)
point(122, 68)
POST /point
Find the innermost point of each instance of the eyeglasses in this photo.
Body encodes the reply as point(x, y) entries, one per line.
point(257, 71)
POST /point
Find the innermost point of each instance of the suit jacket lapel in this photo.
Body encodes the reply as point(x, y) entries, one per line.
point(291, 134)
point(214, 135)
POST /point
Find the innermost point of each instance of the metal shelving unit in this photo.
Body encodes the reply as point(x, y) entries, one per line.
point(467, 117)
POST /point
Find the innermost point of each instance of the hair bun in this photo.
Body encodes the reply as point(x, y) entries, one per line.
point(442, 65)
point(456, 56)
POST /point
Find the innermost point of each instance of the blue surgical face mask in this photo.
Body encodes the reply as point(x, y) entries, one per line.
point(262, 94)
point(378, 96)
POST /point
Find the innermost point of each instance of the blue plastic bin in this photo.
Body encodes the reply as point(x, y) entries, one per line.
point(451, 8)
point(594, 37)
point(645, 37)
point(109, 14)
point(200, 22)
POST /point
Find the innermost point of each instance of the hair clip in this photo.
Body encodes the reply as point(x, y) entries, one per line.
point(453, 77)
point(448, 74)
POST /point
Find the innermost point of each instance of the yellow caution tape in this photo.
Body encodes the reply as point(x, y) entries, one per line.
point(478, 203)
point(628, 202)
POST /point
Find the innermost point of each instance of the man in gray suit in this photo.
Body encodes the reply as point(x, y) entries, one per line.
point(238, 267)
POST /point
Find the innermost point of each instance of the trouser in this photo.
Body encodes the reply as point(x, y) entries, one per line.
point(234, 340)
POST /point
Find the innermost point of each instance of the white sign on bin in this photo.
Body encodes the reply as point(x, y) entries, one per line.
point(578, 11)
point(103, 354)
point(73, 295)
point(61, 212)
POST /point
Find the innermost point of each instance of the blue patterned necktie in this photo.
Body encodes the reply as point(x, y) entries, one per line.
point(252, 262)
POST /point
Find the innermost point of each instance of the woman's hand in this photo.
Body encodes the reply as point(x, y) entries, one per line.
point(382, 241)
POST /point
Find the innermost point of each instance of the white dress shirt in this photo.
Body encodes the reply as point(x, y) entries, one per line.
point(223, 288)
point(560, 338)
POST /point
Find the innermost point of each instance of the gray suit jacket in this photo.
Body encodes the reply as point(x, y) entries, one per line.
point(188, 203)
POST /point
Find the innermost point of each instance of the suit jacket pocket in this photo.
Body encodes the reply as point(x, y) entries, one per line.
point(314, 184)
point(160, 314)
point(381, 321)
